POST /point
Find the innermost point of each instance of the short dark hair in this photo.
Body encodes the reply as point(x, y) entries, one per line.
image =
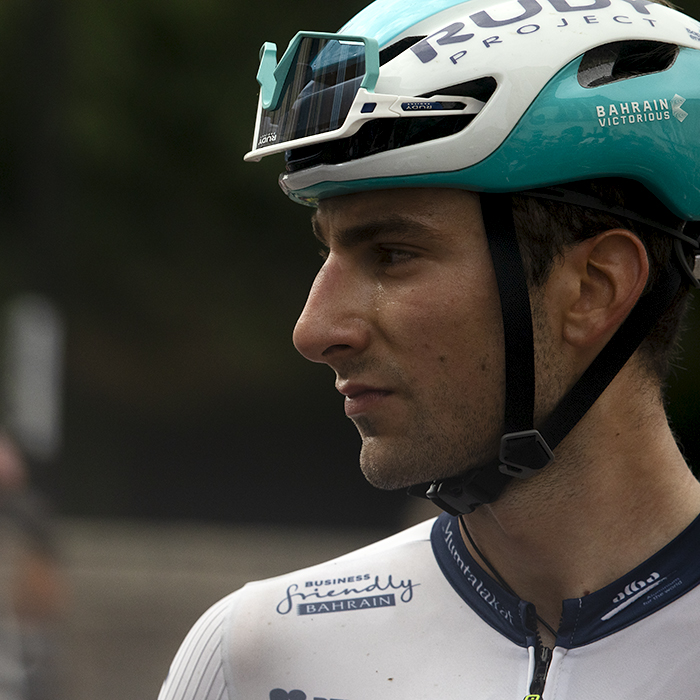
point(546, 228)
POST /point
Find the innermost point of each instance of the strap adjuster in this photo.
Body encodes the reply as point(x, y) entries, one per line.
point(524, 453)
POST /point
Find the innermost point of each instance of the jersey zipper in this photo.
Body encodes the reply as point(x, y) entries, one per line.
point(543, 657)
point(543, 654)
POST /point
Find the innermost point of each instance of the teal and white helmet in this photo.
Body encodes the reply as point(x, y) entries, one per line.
point(490, 96)
point(497, 96)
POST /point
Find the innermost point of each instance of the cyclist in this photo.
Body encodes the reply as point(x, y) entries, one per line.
point(507, 196)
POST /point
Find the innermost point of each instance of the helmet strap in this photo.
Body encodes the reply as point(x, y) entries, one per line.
point(525, 450)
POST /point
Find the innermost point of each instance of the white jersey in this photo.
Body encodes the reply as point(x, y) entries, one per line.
point(413, 617)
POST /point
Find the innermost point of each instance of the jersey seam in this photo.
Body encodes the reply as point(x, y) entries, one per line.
point(576, 622)
point(224, 649)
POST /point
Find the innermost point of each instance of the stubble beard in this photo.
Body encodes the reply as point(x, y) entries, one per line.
point(433, 445)
point(450, 432)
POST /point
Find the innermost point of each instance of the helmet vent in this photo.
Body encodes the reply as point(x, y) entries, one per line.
point(391, 52)
point(624, 59)
point(376, 136)
point(480, 89)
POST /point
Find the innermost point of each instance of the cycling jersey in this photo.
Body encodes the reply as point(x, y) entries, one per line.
point(414, 617)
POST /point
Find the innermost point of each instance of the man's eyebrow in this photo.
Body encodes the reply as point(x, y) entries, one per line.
point(406, 228)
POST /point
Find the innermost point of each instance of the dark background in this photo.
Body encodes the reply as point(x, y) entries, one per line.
point(179, 271)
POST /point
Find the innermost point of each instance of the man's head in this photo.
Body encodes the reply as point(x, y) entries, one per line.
point(406, 311)
point(586, 121)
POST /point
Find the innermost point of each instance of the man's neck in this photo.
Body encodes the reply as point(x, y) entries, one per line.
point(601, 510)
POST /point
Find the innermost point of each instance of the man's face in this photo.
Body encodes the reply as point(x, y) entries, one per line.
point(405, 310)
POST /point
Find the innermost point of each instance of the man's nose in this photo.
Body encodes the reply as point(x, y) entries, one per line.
point(333, 322)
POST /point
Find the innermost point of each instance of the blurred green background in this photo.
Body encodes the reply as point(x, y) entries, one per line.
point(179, 271)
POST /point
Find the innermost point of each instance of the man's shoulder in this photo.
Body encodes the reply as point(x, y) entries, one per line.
point(267, 617)
point(389, 559)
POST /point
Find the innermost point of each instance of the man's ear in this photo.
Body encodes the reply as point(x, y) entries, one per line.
point(606, 276)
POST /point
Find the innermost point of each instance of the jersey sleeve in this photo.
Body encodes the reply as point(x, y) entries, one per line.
point(197, 671)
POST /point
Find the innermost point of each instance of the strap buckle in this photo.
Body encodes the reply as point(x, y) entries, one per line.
point(524, 453)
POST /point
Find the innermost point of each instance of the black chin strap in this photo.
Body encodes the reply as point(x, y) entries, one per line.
point(524, 450)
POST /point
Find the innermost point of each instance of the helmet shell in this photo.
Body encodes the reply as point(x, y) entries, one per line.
point(541, 126)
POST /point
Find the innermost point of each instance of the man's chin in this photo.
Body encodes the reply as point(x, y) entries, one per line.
point(387, 482)
point(391, 475)
point(390, 472)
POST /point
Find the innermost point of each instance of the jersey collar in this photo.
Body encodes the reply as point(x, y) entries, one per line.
point(661, 579)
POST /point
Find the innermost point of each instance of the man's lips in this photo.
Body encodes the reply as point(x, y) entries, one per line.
point(360, 398)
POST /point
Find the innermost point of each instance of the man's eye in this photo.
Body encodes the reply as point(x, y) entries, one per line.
point(394, 256)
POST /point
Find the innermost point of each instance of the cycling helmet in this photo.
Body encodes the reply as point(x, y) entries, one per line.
point(521, 96)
